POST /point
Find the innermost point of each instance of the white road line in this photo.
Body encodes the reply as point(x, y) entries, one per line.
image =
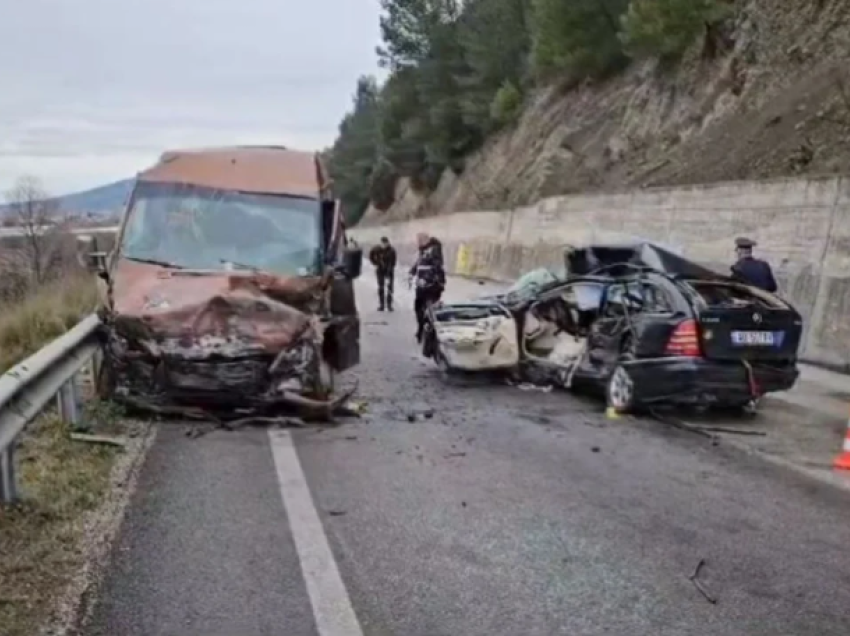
point(331, 605)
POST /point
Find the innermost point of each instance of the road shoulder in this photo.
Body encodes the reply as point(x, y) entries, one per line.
point(56, 541)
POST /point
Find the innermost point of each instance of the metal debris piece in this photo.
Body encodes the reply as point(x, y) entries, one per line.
point(694, 578)
point(99, 439)
point(527, 386)
point(732, 431)
point(682, 425)
point(352, 408)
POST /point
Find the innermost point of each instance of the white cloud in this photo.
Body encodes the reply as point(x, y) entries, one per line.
point(92, 92)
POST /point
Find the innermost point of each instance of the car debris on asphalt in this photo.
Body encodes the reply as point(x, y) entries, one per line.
point(694, 578)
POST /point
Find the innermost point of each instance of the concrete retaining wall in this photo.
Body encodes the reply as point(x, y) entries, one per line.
point(802, 227)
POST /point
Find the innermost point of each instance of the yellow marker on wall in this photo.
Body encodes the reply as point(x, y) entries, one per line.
point(462, 263)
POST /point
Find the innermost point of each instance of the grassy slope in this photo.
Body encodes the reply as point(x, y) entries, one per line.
point(47, 314)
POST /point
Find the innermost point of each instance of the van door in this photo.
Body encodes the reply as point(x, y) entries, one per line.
point(342, 340)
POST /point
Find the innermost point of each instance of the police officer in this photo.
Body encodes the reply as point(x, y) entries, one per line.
point(750, 270)
point(383, 257)
point(430, 278)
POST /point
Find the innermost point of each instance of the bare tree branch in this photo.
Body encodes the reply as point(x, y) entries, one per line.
point(37, 216)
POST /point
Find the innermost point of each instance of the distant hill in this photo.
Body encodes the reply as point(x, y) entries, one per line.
point(103, 200)
point(100, 200)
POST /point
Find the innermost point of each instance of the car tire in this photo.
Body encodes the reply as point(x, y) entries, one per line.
point(747, 409)
point(620, 391)
point(446, 370)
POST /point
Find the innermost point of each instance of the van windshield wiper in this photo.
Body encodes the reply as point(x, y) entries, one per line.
point(227, 261)
point(153, 261)
point(244, 266)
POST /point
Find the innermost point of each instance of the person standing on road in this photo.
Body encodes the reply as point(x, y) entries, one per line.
point(383, 257)
point(750, 270)
point(429, 275)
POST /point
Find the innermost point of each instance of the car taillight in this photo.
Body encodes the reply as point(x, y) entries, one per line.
point(684, 341)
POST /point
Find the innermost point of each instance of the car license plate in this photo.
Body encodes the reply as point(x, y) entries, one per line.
point(754, 338)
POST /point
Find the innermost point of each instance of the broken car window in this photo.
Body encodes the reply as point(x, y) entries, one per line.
point(734, 295)
point(655, 299)
point(530, 283)
point(637, 296)
point(205, 228)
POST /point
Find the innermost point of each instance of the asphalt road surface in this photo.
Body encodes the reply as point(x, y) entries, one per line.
point(506, 513)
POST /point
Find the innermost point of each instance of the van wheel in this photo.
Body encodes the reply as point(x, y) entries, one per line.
point(104, 380)
point(327, 378)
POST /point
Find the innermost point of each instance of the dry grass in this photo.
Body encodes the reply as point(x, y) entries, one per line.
point(40, 539)
point(49, 312)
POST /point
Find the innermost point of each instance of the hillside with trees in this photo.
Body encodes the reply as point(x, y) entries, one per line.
point(499, 102)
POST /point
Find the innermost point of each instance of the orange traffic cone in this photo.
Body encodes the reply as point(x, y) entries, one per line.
point(842, 461)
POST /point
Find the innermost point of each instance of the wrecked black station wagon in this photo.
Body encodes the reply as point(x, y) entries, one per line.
point(636, 322)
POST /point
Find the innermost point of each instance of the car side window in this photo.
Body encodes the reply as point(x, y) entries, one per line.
point(617, 301)
point(656, 300)
point(636, 297)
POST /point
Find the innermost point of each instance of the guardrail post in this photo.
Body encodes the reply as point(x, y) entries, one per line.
point(8, 485)
point(68, 400)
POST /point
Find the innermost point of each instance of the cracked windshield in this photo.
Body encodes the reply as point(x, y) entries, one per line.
point(204, 228)
point(425, 318)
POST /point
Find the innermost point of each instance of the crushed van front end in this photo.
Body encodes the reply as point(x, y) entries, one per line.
point(233, 342)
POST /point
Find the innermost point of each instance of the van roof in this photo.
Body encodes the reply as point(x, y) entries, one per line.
point(257, 169)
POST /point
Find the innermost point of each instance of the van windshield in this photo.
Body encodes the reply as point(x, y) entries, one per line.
point(196, 227)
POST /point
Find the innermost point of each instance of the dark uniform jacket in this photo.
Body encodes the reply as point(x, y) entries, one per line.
point(755, 272)
point(383, 258)
point(429, 271)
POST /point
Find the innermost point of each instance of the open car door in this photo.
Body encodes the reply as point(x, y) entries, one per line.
point(342, 339)
point(474, 336)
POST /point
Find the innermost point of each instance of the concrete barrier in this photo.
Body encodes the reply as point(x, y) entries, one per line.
point(802, 227)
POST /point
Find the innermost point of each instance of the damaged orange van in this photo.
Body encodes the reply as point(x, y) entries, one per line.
point(231, 285)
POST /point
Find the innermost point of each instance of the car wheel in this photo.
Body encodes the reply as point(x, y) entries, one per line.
point(749, 408)
point(620, 391)
point(443, 364)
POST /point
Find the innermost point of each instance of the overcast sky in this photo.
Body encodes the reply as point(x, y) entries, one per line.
point(92, 90)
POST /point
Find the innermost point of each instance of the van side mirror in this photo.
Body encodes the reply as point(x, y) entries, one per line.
point(89, 256)
point(352, 262)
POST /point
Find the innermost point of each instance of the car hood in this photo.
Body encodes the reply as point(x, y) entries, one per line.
point(213, 312)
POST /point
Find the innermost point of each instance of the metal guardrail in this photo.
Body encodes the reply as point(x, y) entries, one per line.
point(29, 386)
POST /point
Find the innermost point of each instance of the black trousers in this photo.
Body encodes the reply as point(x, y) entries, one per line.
point(386, 288)
point(424, 297)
